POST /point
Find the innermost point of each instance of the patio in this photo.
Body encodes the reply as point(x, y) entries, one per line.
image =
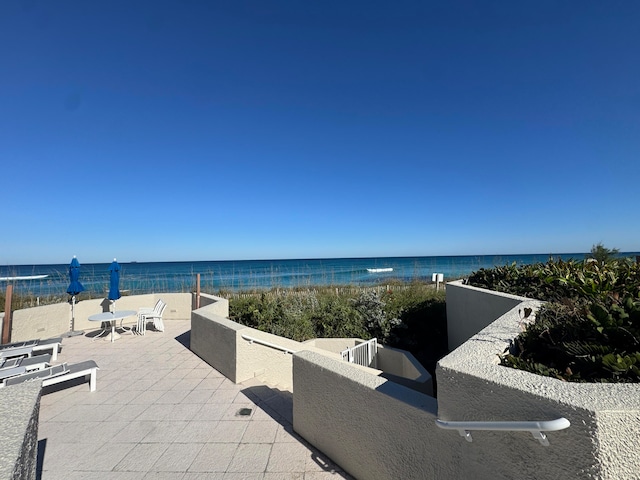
point(161, 412)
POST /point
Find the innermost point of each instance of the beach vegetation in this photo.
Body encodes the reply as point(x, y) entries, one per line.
point(410, 316)
point(602, 254)
point(589, 328)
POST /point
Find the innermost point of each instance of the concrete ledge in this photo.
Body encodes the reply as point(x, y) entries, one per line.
point(602, 441)
point(19, 411)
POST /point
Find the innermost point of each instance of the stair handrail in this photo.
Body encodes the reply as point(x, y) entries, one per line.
point(537, 429)
point(267, 344)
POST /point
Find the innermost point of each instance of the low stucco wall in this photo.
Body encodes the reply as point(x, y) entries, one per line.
point(470, 309)
point(335, 345)
point(371, 427)
point(218, 341)
point(602, 441)
point(216, 305)
point(54, 320)
point(19, 410)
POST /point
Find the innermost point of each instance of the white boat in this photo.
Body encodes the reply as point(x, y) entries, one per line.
point(379, 270)
point(24, 277)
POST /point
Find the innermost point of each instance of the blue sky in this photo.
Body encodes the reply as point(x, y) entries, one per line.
point(212, 130)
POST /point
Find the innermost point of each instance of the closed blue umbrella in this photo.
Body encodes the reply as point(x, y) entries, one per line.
point(75, 287)
point(114, 281)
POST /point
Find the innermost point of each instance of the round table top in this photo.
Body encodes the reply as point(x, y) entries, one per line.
point(117, 315)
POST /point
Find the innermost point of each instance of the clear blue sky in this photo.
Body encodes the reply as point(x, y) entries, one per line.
point(211, 130)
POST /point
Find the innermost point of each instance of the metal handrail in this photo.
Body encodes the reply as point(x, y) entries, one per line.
point(268, 344)
point(537, 429)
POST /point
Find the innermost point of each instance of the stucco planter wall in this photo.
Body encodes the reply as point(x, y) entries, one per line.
point(371, 427)
point(470, 309)
point(602, 441)
point(19, 410)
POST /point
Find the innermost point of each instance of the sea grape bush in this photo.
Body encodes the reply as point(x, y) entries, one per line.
point(589, 329)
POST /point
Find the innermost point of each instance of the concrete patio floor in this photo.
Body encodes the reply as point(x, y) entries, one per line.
point(160, 412)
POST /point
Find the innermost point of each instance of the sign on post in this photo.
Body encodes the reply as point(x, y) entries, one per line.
point(437, 277)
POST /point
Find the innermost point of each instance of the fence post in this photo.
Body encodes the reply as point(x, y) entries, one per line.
point(6, 324)
point(197, 291)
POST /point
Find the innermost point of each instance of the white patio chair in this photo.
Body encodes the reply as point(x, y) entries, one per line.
point(157, 318)
point(145, 314)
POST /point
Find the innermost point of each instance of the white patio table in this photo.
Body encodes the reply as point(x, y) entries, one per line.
point(112, 318)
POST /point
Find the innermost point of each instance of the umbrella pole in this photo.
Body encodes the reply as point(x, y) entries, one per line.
point(73, 306)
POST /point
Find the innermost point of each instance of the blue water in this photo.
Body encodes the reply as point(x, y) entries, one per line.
point(138, 278)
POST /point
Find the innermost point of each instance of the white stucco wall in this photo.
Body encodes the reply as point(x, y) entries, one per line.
point(602, 441)
point(470, 309)
point(48, 321)
point(371, 427)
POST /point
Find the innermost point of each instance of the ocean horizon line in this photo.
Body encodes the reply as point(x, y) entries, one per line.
point(495, 255)
point(241, 275)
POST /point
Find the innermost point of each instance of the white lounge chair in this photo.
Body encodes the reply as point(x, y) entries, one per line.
point(37, 362)
point(59, 374)
point(33, 346)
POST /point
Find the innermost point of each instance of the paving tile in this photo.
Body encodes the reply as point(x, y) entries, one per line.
point(164, 432)
point(222, 395)
point(148, 396)
point(141, 457)
point(81, 412)
point(243, 476)
point(164, 476)
point(250, 457)
point(210, 383)
point(203, 476)
point(260, 432)
point(58, 456)
point(227, 431)
point(198, 431)
point(104, 458)
point(131, 411)
point(287, 457)
point(198, 372)
point(284, 476)
point(214, 457)
point(213, 411)
point(134, 432)
point(156, 412)
point(187, 384)
point(185, 411)
point(198, 396)
point(177, 458)
point(286, 434)
point(173, 396)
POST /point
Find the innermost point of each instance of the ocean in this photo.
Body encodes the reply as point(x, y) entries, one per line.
point(216, 276)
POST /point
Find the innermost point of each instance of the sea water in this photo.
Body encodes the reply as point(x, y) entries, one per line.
point(216, 276)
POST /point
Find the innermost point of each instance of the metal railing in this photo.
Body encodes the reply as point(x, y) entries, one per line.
point(268, 344)
point(537, 429)
point(362, 354)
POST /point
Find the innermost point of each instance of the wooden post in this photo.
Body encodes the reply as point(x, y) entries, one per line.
point(6, 324)
point(197, 291)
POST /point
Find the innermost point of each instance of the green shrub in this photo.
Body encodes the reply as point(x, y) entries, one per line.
point(589, 331)
point(412, 317)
